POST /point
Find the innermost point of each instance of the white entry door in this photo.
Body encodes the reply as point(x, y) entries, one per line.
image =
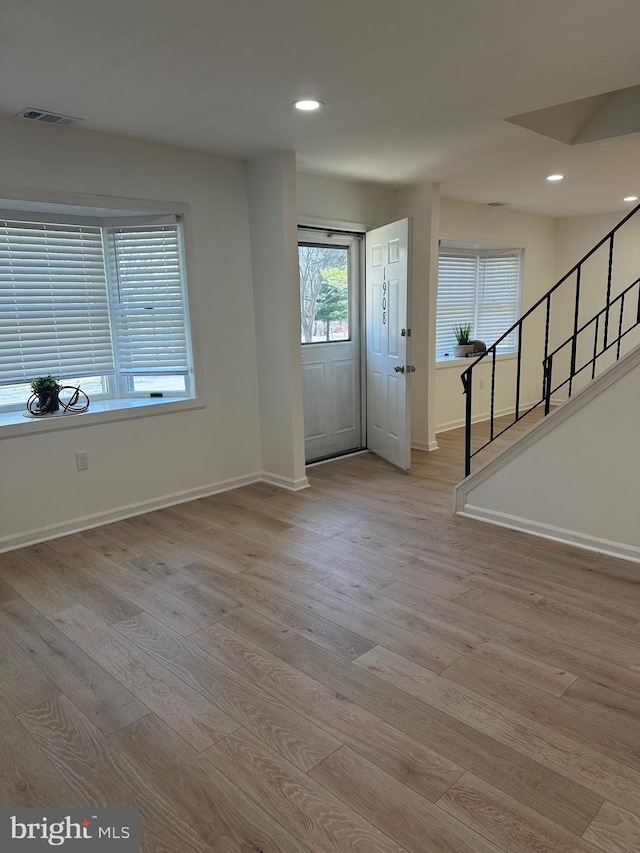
point(388, 336)
point(330, 338)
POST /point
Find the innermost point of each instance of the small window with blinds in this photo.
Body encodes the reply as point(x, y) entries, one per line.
point(479, 287)
point(149, 329)
point(102, 302)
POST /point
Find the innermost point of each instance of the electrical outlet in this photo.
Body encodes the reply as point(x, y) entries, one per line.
point(481, 384)
point(82, 461)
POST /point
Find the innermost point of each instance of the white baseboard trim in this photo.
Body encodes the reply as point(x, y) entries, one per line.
point(86, 522)
point(476, 419)
point(428, 446)
point(285, 482)
point(556, 534)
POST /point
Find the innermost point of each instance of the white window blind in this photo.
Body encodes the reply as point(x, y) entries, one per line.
point(457, 288)
point(480, 287)
point(54, 308)
point(147, 299)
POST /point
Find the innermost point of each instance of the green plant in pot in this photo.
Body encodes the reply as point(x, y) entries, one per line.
point(46, 388)
point(465, 345)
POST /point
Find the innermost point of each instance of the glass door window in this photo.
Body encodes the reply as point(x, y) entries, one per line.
point(324, 293)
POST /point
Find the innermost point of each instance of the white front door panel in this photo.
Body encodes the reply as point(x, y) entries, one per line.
point(387, 319)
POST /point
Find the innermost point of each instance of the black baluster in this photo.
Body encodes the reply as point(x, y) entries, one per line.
point(519, 371)
point(620, 326)
point(493, 387)
point(546, 330)
point(574, 343)
point(608, 302)
point(547, 384)
point(466, 381)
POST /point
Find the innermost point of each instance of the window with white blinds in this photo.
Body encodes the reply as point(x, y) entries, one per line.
point(102, 301)
point(480, 287)
point(148, 302)
point(54, 306)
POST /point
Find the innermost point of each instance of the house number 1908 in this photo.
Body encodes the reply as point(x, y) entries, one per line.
point(384, 302)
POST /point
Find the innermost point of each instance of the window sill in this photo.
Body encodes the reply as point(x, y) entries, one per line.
point(452, 361)
point(15, 425)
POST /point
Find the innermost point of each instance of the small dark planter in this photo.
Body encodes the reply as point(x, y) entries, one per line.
point(48, 402)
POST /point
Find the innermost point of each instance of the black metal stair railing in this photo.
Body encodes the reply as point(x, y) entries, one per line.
point(604, 331)
point(623, 330)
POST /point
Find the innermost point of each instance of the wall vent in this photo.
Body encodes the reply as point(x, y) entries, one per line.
point(48, 117)
point(498, 204)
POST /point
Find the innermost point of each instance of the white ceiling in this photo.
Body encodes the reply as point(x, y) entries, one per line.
point(414, 90)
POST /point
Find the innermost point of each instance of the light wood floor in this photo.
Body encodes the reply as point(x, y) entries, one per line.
point(350, 669)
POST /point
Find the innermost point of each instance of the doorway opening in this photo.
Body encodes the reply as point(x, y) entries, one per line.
point(331, 286)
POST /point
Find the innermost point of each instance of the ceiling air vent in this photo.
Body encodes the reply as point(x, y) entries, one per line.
point(498, 204)
point(48, 117)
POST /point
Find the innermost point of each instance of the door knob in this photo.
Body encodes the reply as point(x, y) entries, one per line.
point(399, 368)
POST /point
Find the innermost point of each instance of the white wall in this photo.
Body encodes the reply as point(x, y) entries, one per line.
point(144, 460)
point(475, 223)
point(274, 255)
point(576, 235)
point(347, 201)
point(576, 475)
point(421, 203)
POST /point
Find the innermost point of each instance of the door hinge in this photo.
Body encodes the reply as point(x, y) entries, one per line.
point(405, 333)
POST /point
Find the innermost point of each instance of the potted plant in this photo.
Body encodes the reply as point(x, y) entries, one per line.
point(462, 335)
point(46, 388)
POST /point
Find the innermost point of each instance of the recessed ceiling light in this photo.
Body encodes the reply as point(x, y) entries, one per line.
point(307, 105)
point(555, 177)
point(630, 198)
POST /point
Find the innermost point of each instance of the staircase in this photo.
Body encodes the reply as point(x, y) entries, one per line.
point(567, 349)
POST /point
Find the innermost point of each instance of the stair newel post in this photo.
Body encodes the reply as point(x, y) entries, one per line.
point(547, 384)
point(466, 384)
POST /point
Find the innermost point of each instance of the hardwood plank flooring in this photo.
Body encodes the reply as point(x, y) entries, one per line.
point(304, 807)
point(348, 668)
point(104, 700)
point(507, 822)
point(400, 755)
point(409, 819)
point(96, 771)
point(557, 796)
point(615, 830)
point(27, 777)
point(294, 737)
point(229, 821)
point(199, 721)
point(23, 683)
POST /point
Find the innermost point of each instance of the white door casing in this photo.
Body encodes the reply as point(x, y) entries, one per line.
point(387, 342)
